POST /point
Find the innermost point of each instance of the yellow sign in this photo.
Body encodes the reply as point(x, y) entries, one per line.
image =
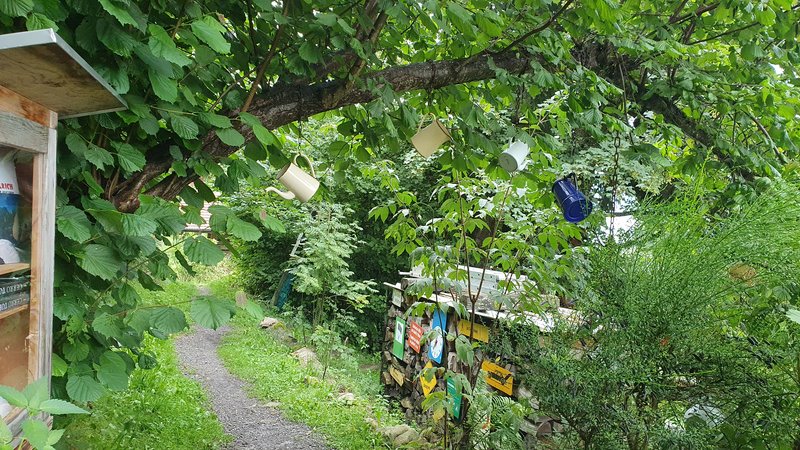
point(427, 383)
point(498, 377)
point(397, 375)
point(481, 331)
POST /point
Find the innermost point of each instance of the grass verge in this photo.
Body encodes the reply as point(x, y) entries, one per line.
point(162, 409)
point(262, 360)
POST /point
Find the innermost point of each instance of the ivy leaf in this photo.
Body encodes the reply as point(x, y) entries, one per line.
point(163, 86)
point(245, 231)
point(57, 406)
point(209, 30)
point(184, 126)
point(211, 312)
point(120, 13)
point(201, 250)
point(100, 261)
point(162, 45)
point(84, 388)
point(16, 8)
point(231, 137)
point(130, 159)
point(112, 371)
point(73, 223)
point(168, 319)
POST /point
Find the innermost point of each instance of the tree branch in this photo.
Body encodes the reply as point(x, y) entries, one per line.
point(541, 27)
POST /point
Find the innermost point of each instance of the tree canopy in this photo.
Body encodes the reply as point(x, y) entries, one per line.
point(636, 97)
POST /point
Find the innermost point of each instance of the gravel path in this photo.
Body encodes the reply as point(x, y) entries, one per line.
point(253, 424)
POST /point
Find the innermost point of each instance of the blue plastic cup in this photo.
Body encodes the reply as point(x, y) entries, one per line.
point(573, 203)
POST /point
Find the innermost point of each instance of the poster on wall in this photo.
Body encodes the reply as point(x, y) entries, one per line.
point(455, 397)
point(427, 383)
point(414, 336)
point(436, 347)
point(398, 348)
point(498, 377)
point(478, 331)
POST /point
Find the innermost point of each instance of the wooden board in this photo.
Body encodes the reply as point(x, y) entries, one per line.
point(25, 108)
point(41, 67)
point(498, 377)
point(22, 134)
point(16, 267)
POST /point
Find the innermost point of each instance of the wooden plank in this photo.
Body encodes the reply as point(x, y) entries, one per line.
point(16, 267)
point(39, 65)
point(24, 134)
point(23, 107)
point(13, 311)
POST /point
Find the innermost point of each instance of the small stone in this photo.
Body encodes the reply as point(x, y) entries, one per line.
point(348, 398)
point(399, 435)
point(268, 322)
point(272, 404)
point(305, 355)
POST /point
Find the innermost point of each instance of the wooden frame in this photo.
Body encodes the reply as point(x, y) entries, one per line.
point(42, 79)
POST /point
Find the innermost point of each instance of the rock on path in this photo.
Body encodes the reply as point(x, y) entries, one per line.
point(252, 424)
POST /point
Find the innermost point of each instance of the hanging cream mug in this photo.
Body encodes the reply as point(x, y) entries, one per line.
point(427, 140)
point(301, 185)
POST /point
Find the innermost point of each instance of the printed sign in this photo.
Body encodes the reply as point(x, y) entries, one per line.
point(427, 383)
point(498, 377)
point(397, 375)
point(436, 347)
point(398, 348)
point(455, 397)
point(481, 332)
point(414, 336)
point(397, 298)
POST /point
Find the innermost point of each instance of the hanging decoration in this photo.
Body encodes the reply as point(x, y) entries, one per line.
point(575, 206)
point(429, 139)
point(514, 158)
point(301, 185)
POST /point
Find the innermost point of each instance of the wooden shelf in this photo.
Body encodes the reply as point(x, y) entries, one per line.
point(12, 311)
point(16, 267)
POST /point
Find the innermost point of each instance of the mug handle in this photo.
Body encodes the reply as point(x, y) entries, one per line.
point(422, 120)
point(310, 165)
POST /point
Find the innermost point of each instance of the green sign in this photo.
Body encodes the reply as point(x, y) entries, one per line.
point(398, 348)
point(456, 396)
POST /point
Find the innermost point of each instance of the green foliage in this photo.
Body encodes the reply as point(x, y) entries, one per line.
point(687, 310)
point(35, 399)
point(161, 409)
point(260, 359)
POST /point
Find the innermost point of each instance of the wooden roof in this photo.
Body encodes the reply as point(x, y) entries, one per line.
point(40, 66)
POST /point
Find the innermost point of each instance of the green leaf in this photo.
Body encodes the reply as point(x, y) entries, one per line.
point(76, 144)
point(130, 159)
point(112, 371)
point(100, 261)
point(5, 435)
point(162, 45)
point(163, 86)
point(231, 137)
point(209, 30)
point(84, 388)
point(201, 250)
point(215, 120)
point(36, 21)
point(264, 136)
point(136, 225)
point(56, 406)
point(53, 437)
point(16, 8)
point(73, 223)
point(310, 52)
point(119, 12)
point(254, 309)
point(36, 392)
point(211, 312)
point(150, 125)
point(115, 38)
point(76, 351)
point(107, 325)
point(183, 126)
point(327, 19)
point(99, 157)
point(794, 315)
point(36, 433)
point(274, 224)
point(243, 230)
point(168, 319)
point(13, 396)
point(255, 151)
point(58, 366)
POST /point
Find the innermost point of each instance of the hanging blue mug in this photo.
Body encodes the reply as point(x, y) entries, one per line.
point(573, 203)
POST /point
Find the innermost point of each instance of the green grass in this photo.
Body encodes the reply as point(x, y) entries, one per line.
point(162, 409)
point(259, 358)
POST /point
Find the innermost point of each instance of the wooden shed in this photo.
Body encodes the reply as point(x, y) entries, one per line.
point(42, 79)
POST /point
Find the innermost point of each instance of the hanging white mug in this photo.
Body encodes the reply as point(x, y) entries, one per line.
point(301, 185)
point(514, 157)
point(430, 138)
